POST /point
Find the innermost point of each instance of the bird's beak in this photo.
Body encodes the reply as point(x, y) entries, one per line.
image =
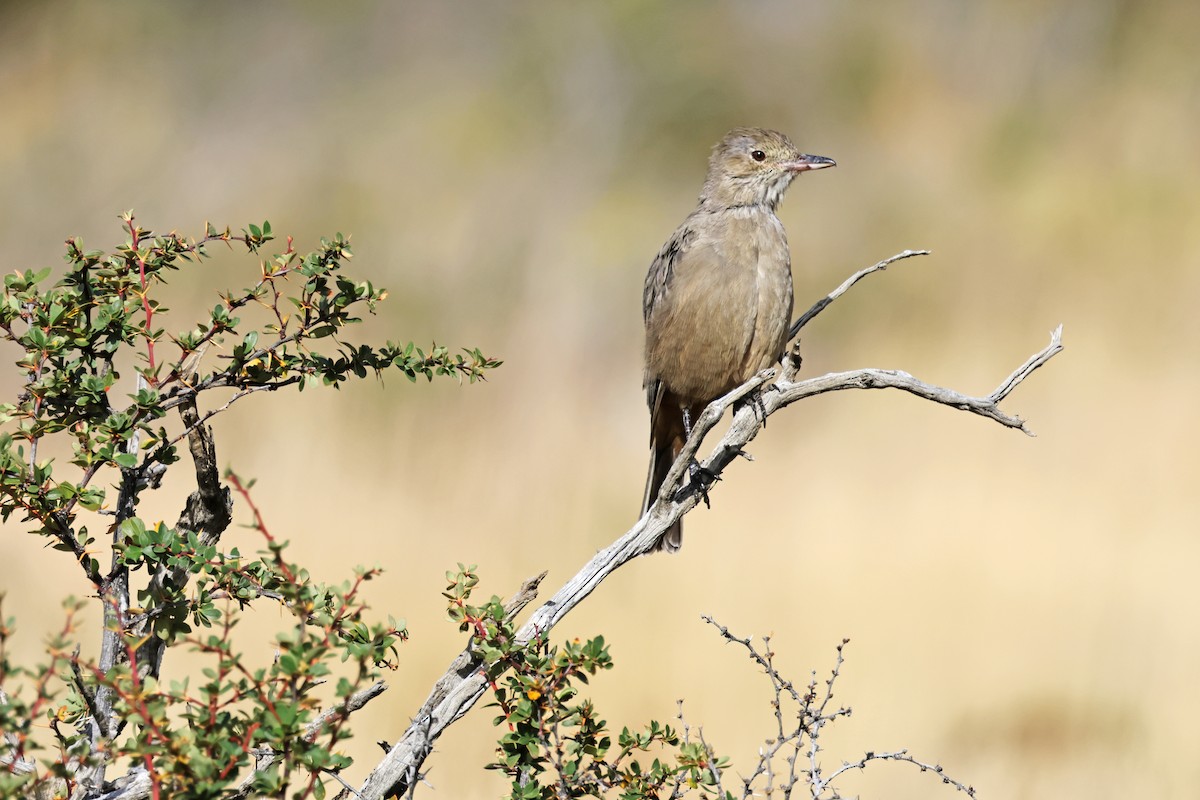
point(803, 163)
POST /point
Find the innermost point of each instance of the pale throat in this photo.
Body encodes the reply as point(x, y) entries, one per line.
point(748, 195)
point(775, 189)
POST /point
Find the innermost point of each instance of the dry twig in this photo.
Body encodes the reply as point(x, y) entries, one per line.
point(812, 714)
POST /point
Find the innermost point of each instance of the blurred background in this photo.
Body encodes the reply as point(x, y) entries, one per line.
point(1025, 611)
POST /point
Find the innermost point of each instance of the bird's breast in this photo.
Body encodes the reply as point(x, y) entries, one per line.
point(728, 306)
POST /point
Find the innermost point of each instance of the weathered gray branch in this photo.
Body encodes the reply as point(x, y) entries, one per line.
point(208, 512)
point(104, 723)
point(401, 767)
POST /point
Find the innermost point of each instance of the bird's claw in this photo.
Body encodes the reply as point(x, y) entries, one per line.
point(755, 400)
point(699, 479)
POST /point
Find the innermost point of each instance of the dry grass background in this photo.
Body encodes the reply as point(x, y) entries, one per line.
point(1023, 610)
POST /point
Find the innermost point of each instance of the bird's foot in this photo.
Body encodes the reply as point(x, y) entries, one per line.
point(699, 479)
point(760, 408)
point(755, 400)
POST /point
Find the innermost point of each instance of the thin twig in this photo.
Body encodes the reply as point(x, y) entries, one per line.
point(811, 718)
point(190, 398)
point(345, 786)
point(820, 305)
point(89, 697)
point(898, 755)
point(1025, 370)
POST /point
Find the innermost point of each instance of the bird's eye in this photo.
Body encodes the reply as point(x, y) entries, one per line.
point(759, 155)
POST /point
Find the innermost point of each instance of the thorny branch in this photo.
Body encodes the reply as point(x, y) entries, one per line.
point(401, 767)
point(129, 639)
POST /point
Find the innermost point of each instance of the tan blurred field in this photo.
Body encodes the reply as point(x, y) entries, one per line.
point(1026, 611)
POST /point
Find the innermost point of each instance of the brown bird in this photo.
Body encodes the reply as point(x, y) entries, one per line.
point(718, 297)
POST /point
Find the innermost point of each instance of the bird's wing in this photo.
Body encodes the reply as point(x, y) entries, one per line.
point(655, 389)
point(658, 283)
point(658, 278)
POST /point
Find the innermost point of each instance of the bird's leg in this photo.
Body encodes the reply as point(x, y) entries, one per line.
point(699, 478)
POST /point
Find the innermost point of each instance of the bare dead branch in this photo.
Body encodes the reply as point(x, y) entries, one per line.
point(404, 759)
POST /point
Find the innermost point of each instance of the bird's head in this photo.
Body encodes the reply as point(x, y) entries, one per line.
point(754, 166)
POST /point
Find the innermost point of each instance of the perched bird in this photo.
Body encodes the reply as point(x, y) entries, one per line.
point(718, 297)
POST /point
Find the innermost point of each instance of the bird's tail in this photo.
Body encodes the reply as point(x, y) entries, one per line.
point(662, 456)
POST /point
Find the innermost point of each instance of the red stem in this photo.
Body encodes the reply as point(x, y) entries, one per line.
point(261, 526)
point(136, 239)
